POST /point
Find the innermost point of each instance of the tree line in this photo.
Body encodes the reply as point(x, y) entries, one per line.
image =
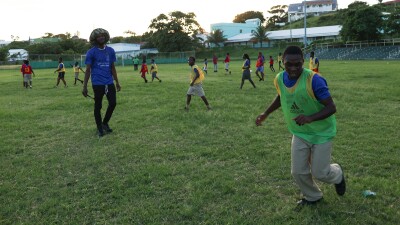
point(178, 31)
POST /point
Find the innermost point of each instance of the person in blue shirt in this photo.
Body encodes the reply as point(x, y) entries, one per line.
point(246, 71)
point(100, 67)
point(308, 110)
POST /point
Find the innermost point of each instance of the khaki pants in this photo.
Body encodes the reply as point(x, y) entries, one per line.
point(313, 160)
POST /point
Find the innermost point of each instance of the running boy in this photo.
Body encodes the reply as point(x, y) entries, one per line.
point(196, 84)
point(61, 73)
point(271, 63)
point(308, 110)
point(154, 70)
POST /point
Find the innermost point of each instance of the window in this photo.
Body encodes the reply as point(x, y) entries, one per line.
point(240, 31)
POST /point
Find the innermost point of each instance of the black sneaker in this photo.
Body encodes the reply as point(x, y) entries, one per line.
point(100, 133)
point(341, 187)
point(107, 129)
point(304, 201)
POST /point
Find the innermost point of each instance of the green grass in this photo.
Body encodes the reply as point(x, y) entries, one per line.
point(162, 165)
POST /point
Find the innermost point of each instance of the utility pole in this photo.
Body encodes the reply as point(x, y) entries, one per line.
point(305, 24)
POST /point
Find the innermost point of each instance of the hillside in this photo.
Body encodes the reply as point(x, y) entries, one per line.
point(334, 18)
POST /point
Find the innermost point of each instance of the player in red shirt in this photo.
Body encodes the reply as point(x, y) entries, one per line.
point(27, 72)
point(215, 62)
point(226, 61)
point(144, 70)
point(271, 64)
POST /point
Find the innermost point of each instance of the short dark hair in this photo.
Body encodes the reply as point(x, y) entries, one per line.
point(192, 57)
point(293, 50)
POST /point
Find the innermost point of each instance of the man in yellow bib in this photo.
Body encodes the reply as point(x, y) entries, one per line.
point(196, 84)
point(308, 110)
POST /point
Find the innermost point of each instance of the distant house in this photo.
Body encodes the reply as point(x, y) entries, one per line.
point(125, 50)
point(314, 7)
point(44, 40)
point(232, 29)
point(4, 43)
point(294, 35)
point(17, 55)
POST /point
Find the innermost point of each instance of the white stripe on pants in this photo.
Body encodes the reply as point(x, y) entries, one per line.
point(318, 156)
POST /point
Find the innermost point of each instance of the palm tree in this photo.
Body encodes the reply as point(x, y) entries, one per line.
point(216, 37)
point(260, 35)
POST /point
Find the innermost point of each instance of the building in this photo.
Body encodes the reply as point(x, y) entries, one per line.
point(4, 43)
point(17, 55)
point(232, 29)
point(124, 50)
point(44, 40)
point(314, 7)
point(293, 35)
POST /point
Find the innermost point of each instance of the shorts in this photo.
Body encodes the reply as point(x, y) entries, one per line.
point(227, 66)
point(143, 75)
point(61, 74)
point(196, 89)
point(260, 69)
point(76, 75)
point(154, 74)
point(27, 77)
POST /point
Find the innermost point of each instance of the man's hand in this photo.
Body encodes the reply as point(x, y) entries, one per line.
point(85, 91)
point(118, 87)
point(260, 119)
point(302, 119)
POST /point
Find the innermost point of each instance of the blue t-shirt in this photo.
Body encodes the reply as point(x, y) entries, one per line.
point(101, 61)
point(247, 63)
point(319, 86)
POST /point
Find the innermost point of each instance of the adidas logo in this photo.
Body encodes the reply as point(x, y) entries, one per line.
point(296, 109)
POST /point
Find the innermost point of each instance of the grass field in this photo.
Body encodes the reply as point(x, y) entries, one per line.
point(162, 165)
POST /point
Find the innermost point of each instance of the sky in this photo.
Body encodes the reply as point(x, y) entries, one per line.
point(34, 18)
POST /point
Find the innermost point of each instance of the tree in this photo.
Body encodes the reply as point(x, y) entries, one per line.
point(241, 18)
point(362, 23)
point(260, 35)
point(3, 53)
point(216, 37)
point(175, 32)
point(278, 15)
point(392, 25)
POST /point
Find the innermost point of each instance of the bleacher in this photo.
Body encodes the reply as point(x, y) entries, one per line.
point(359, 53)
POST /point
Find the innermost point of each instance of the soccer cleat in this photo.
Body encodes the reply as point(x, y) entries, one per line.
point(30, 86)
point(341, 187)
point(107, 129)
point(304, 201)
point(100, 133)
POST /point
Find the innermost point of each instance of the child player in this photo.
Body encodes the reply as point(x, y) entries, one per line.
point(61, 72)
point(205, 65)
point(280, 62)
point(196, 84)
point(226, 61)
point(154, 70)
point(76, 71)
point(271, 63)
point(144, 70)
point(27, 72)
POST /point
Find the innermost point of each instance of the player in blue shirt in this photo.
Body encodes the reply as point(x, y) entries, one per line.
point(100, 67)
point(246, 71)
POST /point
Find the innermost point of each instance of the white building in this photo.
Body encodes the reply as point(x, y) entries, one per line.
point(4, 43)
point(293, 35)
point(17, 54)
point(124, 50)
point(314, 7)
point(232, 29)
